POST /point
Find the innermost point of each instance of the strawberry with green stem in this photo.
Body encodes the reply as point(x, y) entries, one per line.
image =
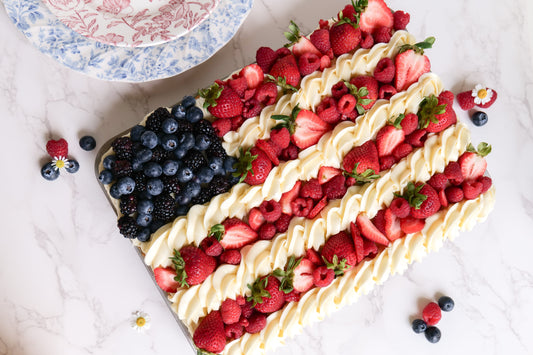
point(266, 296)
point(362, 163)
point(411, 63)
point(435, 114)
point(253, 166)
point(222, 101)
point(300, 44)
point(472, 162)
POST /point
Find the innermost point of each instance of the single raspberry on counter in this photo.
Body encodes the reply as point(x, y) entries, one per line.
point(431, 314)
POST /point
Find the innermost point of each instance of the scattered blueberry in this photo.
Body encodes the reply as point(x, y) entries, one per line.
point(184, 174)
point(153, 169)
point(446, 303)
point(144, 219)
point(143, 235)
point(145, 206)
point(170, 167)
point(144, 155)
point(49, 172)
point(105, 177)
point(188, 101)
point(202, 142)
point(113, 191)
point(179, 111)
point(126, 185)
point(194, 114)
point(87, 143)
point(419, 326)
point(479, 118)
point(109, 162)
point(432, 334)
point(229, 164)
point(136, 132)
point(169, 142)
point(149, 139)
point(169, 126)
point(154, 186)
point(205, 175)
point(186, 140)
point(72, 166)
point(217, 165)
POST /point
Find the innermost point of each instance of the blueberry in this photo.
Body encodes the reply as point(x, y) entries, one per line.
point(154, 186)
point(194, 114)
point(192, 189)
point(184, 174)
point(188, 101)
point(126, 185)
point(446, 303)
point(183, 200)
point(144, 219)
point(419, 326)
point(202, 142)
point(105, 177)
point(169, 126)
point(205, 175)
point(432, 334)
point(145, 206)
point(109, 162)
point(149, 139)
point(170, 167)
point(182, 210)
point(87, 143)
point(180, 152)
point(144, 155)
point(156, 224)
point(72, 166)
point(144, 195)
point(479, 118)
point(136, 132)
point(136, 165)
point(186, 140)
point(229, 164)
point(217, 165)
point(169, 142)
point(113, 191)
point(143, 235)
point(49, 172)
point(153, 169)
point(179, 111)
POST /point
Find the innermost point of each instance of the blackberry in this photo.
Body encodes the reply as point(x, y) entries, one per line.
point(171, 184)
point(122, 168)
point(164, 206)
point(128, 227)
point(194, 160)
point(156, 118)
point(216, 149)
point(219, 185)
point(128, 204)
point(140, 181)
point(184, 126)
point(159, 154)
point(123, 148)
point(203, 197)
point(205, 127)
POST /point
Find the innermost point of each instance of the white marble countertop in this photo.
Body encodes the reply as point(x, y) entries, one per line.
point(69, 281)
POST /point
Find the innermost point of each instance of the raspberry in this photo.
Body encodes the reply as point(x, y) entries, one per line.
point(327, 110)
point(233, 331)
point(339, 90)
point(256, 323)
point(282, 224)
point(236, 122)
point(346, 104)
point(289, 153)
point(487, 183)
point(417, 138)
point(57, 148)
point(402, 150)
point(283, 52)
point(267, 231)
point(447, 95)
point(271, 210)
point(211, 246)
point(453, 173)
point(269, 149)
point(385, 70)
point(280, 137)
point(222, 126)
point(301, 206)
point(466, 100)
point(401, 20)
point(293, 296)
point(252, 108)
point(472, 189)
point(431, 313)
point(400, 207)
point(232, 257)
point(265, 58)
point(382, 35)
point(409, 123)
point(266, 93)
point(454, 194)
point(323, 276)
point(308, 63)
point(320, 39)
point(367, 41)
point(386, 91)
point(247, 310)
point(323, 24)
point(438, 181)
point(335, 187)
point(386, 162)
point(230, 311)
point(312, 189)
point(239, 85)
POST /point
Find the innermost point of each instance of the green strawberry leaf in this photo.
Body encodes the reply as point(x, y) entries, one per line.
point(483, 149)
point(282, 83)
point(217, 231)
point(244, 164)
point(427, 110)
point(338, 267)
point(412, 195)
point(259, 291)
point(287, 275)
point(179, 265)
point(210, 95)
point(418, 47)
point(368, 175)
point(397, 122)
point(293, 35)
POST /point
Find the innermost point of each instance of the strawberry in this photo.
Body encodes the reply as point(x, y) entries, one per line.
point(255, 218)
point(375, 15)
point(369, 230)
point(466, 100)
point(253, 166)
point(280, 137)
point(393, 230)
point(436, 114)
point(166, 279)
point(442, 198)
point(339, 252)
point(288, 197)
point(210, 334)
point(308, 63)
point(282, 224)
point(411, 63)
point(305, 127)
point(300, 44)
point(303, 275)
point(266, 295)
point(287, 69)
point(454, 173)
point(271, 210)
point(335, 187)
point(402, 150)
point(327, 109)
point(361, 159)
point(429, 206)
point(366, 91)
point(269, 149)
point(222, 126)
point(385, 70)
point(312, 189)
point(293, 296)
point(409, 123)
point(323, 276)
point(253, 74)
point(344, 36)
point(265, 58)
point(267, 231)
point(411, 225)
point(318, 207)
point(486, 182)
point(192, 265)
point(357, 242)
point(472, 165)
point(386, 162)
point(325, 61)
point(231, 256)
point(320, 39)
point(400, 207)
point(314, 256)
point(472, 189)
point(57, 148)
point(301, 206)
point(417, 138)
point(387, 139)
point(438, 181)
point(370, 248)
point(326, 173)
point(230, 311)
point(379, 221)
point(431, 314)
point(222, 102)
point(454, 194)
point(237, 234)
point(266, 93)
point(401, 20)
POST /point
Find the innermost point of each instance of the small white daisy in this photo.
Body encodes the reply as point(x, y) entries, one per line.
point(59, 162)
point(140, 321)
point(481, 94)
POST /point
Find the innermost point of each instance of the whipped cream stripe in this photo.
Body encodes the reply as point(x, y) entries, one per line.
point(330, 150)
point(313, 88)
point(317, 303)
point(263, 257)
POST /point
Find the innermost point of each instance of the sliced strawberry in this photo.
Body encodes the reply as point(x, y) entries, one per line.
point(318, 207)
point(376, 14)
point(255, 218)
point(369, 230)
point(370, 248)
point(237, 234)
point(288, 197)
point(473, 166)
point(164, 276)
point(388, 138)
point(300, 44)
point(269, 150)
point(309, 128)
point(379, 221)
point(357, 241)
point(314, 256)
point(325, 62)
point(281, 137)
point(412, 225)
point(253, 74)
point(326, 173)
point(442, 198)
point(364, 156)
point(409, 68)
point(303, 275)
point(392, 226)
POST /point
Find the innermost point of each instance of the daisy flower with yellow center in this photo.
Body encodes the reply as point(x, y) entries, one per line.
point(59, 162)
point(140, 321)
point(481, 94)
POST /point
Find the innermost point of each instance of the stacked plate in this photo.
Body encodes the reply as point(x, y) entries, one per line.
point(129, 40)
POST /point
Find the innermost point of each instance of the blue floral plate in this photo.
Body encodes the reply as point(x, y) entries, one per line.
point(113, 63)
